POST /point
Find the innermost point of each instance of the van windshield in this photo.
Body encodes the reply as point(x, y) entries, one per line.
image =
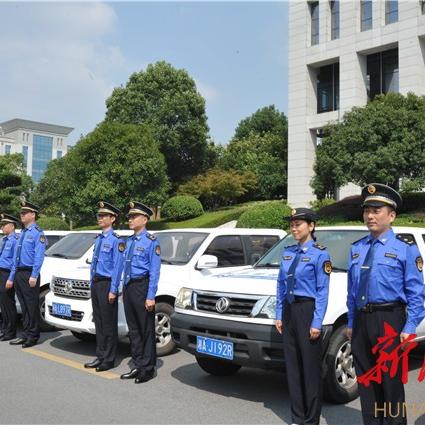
point(72, 246)
point(179, 247)
point(337, 242)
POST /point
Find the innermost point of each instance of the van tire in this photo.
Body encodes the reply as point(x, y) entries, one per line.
point(44, 326)
point(217, 367)
point(340, 382)
point(164, 342)
point(84, 336)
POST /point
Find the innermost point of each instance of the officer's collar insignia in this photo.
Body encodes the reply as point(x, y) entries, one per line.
point(371, 189)
point(419, 263)
point(304, 249)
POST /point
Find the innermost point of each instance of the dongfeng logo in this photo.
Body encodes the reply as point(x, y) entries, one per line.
point(222, 305)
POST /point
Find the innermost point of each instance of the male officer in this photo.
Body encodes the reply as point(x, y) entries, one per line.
point(141, 275)
point(25, 274)
point(8, 225)
point(105, 278)
point(384, 280)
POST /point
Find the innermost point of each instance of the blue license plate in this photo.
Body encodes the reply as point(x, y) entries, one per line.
point(61, 309)
point(214, 347)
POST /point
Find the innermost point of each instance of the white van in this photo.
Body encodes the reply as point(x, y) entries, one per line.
point(186, 255)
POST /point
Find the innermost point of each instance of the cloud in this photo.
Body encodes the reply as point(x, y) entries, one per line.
point(57, 63)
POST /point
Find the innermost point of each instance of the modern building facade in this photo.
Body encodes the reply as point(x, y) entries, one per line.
point(342, 54)
point(38, 142)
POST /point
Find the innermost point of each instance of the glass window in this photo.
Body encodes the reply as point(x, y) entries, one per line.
point(7, 149)
point(366, 15)
point(228, 250)
point(382, 73)
point(179, 247)
point(72, 246)
point(257, 245)
point(423, 7)
point(41, 155)
point(328, 88)
point(391, 11)
point(25, 154)
point(314, 12)
point(58, 154)
point(334, 19)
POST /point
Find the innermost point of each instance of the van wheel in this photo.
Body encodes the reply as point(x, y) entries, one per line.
point(217, 367)
point(164, 343)
point(84, 336)
point(340, 380)
point(44, 326)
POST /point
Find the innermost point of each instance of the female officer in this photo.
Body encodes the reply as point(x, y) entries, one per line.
point(302, 298)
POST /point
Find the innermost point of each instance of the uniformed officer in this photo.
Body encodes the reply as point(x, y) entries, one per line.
point(8, 225)
point(384, 277)
point(105, 272)
point(25, 274)
point(140, 277)
point(302, 298)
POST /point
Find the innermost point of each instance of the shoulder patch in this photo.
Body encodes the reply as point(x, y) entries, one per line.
point(121, 247)
point(42, 238)
point(158, 250)
point(327, 267)
point(319, 246)
point(405, 240)
point(419, 263)
point(151, 237)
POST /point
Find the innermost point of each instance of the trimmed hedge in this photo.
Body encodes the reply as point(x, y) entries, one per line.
point(182, 207)
point(268, 215)
point(52, 223)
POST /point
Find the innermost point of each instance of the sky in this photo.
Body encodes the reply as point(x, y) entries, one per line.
point(59, 62)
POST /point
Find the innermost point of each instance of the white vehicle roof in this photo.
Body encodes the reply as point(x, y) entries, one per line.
point(397, 229)
point(227, 231)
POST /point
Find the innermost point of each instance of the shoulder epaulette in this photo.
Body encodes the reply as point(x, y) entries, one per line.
point(405, 240)
point(290, 246)
point(38, 228)
point(364, 237)
point(151, 237)
point(98, 235)
point(319, 246)
point(115, 234)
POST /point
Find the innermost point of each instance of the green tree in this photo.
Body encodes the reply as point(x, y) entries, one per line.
point(218, 187)
point(116, 162)
point(14, 183)
point(382, 142)
point(167, 99)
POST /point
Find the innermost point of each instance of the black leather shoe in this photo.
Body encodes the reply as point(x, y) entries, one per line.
point(17, 341)
point(104, 366)
point(134, 373)
point(144, 377)
point(28, 344)
point(7, 338)
point(93, 364)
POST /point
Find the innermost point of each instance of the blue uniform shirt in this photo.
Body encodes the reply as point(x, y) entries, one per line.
point(108, 258)
point(7, 250)
point(144, 256)
point(29, 251)
point(395, 276)
point(311, 278)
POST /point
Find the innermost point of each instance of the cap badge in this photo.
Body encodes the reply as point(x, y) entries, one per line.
point(293, 212)
point(101, 204)
point(23, 204)
point(371, 189)
point(131, 204)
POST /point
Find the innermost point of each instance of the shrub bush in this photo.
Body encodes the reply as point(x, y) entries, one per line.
point(52, 223)
point(182, 207)
point(268, 215)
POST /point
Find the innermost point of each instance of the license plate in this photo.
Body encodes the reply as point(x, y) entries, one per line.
point(214, 347)
point(61, 309)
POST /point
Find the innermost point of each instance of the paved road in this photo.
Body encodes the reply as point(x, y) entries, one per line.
point(46, 384)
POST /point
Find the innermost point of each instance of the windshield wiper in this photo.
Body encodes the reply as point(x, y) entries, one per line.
point(58, 255)
point(267, 265)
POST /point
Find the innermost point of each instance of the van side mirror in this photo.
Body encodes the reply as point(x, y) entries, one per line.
point(88, 261)
point(207, 262)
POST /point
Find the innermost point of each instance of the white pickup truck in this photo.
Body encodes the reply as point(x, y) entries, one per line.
point(227, 320)
point(186, 255)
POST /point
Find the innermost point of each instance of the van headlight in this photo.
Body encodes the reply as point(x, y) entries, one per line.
point(184, 298)
point(265, 308)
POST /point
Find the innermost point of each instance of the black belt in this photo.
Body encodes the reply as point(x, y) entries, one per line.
point(98, 278)
point(139, 279)
point(24, 269)
point(370, 308)
point(299, 299)
point(4, 270)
